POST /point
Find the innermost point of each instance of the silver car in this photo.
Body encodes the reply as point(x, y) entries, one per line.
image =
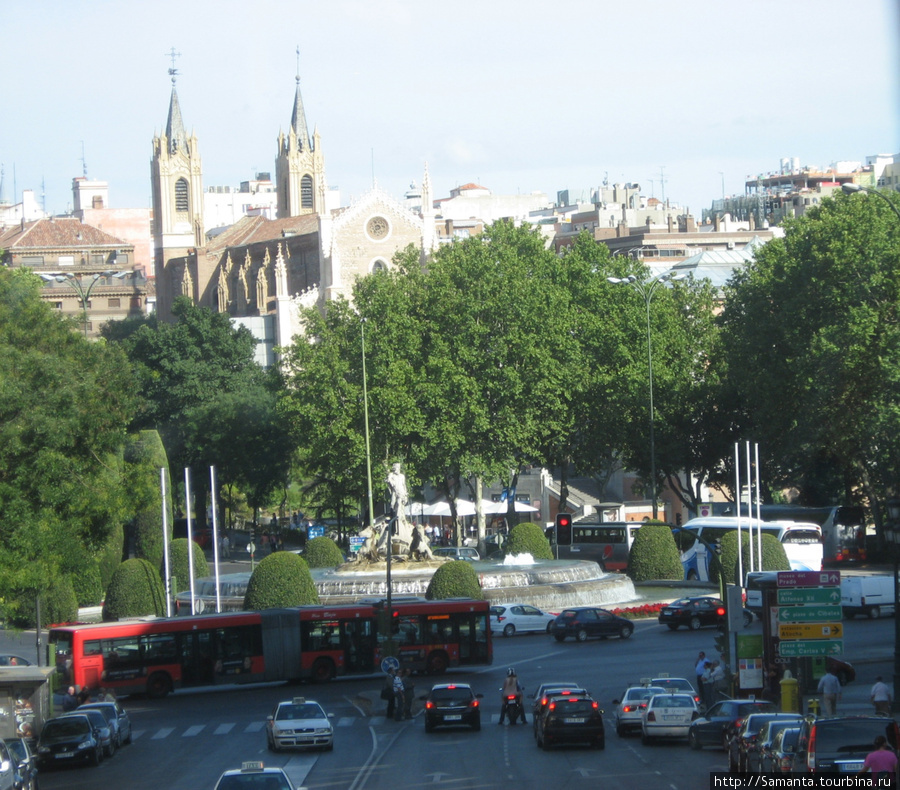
point(299, 722)
point(118, 719)
point(629, 711)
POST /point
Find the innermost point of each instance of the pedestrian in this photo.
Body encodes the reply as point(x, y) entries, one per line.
point(881, 697)
point(70, 699)
point(707, 686)
point(226, 547)
point(699, 669)
point(387, 693)
point(398, 696)
point(719, 680)
point(882, 763)
point(830, 689)
point(409, 690)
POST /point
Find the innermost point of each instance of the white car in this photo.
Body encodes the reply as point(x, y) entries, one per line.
point(254, 775)
point(519, 618)
point(668, 716)
point(629, 711)
point(677, 686)
point(299, 722)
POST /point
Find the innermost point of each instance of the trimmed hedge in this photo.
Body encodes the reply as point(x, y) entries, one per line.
point(178, 561)
point(87, 584)
point(58, 605)
point(454, 579)
point(529, 538)
point(281, 579)
point(322, 553)
point(145, 455)
point(773, 556)
point(135, 591)
point(654, 554)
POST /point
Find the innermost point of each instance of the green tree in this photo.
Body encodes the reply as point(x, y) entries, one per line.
point(654, 555)
point(144, 457)
point(773, 556)
point(281, 579)
point(529, 538)
point(178, 564)
point(322, 553)
point(454, 579)
point(135, 590)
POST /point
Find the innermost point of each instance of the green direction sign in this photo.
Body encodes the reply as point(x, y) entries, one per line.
point(828, 595)
point(808, 614)
point(811, 647)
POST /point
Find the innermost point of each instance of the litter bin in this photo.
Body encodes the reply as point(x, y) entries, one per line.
point(790, 694)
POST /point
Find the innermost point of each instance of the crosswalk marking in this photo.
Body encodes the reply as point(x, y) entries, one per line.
point(163, 732)
point(223, 729)
point(190, 732)
point(254, 726)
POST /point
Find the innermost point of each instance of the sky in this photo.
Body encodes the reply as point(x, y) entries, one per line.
point(688, 99)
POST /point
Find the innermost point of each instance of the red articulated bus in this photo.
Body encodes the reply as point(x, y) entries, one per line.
point(154, 656)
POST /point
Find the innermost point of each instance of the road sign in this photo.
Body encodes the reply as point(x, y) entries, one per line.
point(808, 579)
point(810, 630)
point(808, 614)
point(830, 595)
point(813, 647)
point(388, 663)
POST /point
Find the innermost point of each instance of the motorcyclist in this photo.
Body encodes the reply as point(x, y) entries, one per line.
point(511, 687)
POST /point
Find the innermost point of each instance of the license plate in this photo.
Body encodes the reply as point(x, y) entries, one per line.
point(851, 768)
point(453, 717)
point(573, 721)
point(673, 717)
point(60, 755)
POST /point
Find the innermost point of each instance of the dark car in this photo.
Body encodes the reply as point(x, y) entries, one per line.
point(840, 744)
point(118, 719)
point(715, 727)
point(24, 762)
point(548, 696)
point(742, 749)
point(766, 738)
point(449, 704)
point(571, 718)
point(778, 757)
point(695, 613)
point(588, 621)
point(102, 729)
point(69, 739)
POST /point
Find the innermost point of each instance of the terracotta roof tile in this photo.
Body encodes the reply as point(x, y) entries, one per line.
point(58, 232)
point(249, 230)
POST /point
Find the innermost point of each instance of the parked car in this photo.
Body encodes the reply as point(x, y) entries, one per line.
point(778, 758)
point(765, 743)
point(449, 704)
point(101, 727)
point(588, 621)
point(571, 718)
point(7, 767)
point(695, 613)
point(714, 728)
point(630, 710)
point(840, 744)
point(743, 752)
point(69, 739)
point(252, 776)
point(24, 764)
point(457, 553)
point(299, 722)
point(668, 716)
point(118, 719)
point(510, 619)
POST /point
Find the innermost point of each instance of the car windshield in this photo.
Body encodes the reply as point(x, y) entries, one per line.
point(17, 748)
point(106, 710)
point(849, 735)
point(746, 708)
point(65, 728)
point(307, 710)
point(451, 695)
point(576, 707)
point(258, 781)
point(674, 683)
point(643, 693)
point(673, 701)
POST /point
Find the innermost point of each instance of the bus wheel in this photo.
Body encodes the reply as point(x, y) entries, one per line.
point(437, 663)
point(322, 670)
point(158, 685)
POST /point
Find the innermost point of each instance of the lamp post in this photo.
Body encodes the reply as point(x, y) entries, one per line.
point(892, 533)
point(646, 290)
point(852, 189)
point(84, 294)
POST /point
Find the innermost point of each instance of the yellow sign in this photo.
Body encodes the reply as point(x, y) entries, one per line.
point(810, 630)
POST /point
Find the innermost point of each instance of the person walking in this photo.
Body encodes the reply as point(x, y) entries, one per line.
point(387, 693)
point(881, 763)
point(830, 689)
point(881, 697)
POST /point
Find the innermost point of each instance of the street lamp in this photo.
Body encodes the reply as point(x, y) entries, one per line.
point(84, 294)
point(852, 189)
point(892, 533)
point(646, 290)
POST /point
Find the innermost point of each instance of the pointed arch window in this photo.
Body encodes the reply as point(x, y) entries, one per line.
point(181, 196)
point(306, 192)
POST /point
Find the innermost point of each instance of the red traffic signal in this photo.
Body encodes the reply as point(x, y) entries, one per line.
point(563, 528)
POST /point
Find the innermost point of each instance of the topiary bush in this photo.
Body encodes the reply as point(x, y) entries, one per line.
point(144, 456)
point(135, 591)
point(322, 553)
point(281, 579)
point(58, 605)
point(87, 585)
point(773, 556)
point(654, 554)
point(454, 579)
point(178, 561)
point(529, 538)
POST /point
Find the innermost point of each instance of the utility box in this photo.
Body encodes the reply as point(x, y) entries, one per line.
point(24, 700)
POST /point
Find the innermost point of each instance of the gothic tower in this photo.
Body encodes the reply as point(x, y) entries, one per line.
point(299, 167)
point(176, 177)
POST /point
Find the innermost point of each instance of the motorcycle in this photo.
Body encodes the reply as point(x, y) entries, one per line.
point(514, 708)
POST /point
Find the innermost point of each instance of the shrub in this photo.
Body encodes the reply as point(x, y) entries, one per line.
point(322, 553)
point(178, 561)
point(454, 579)
point(654, 554)
point(58, 605)
point(135, 591)
point(86, 585)
point(281, 579)
point(529, 538)
point(144, 457)
point(773, 556)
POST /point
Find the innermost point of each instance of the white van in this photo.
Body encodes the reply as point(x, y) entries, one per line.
point(869, 595)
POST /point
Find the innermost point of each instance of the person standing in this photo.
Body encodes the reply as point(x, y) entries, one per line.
point(830, 689)
point(882, 763)
point(398, 695)
point(387, 693)
point(881, 697)
point(409, 690)
point(699, 669)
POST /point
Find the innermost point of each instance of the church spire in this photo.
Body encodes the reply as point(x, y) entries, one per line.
point(298, 116)
point(174, 125)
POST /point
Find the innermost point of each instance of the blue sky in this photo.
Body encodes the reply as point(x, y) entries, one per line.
point(516, 95)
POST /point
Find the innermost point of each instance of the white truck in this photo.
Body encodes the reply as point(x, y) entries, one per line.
point(868, 595)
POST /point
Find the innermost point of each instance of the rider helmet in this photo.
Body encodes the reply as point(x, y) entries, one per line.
point(510, 672)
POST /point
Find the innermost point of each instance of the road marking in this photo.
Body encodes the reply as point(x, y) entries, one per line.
point(190, 732)
point(346, 721)
point(163, 732)
point(254, 726)
point(223, 729)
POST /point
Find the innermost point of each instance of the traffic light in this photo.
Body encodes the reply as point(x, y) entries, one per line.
point(563, 528)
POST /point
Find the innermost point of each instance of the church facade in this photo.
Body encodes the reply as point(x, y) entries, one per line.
point(264, 268)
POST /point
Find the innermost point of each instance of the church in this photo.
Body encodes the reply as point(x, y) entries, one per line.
point(259, 270)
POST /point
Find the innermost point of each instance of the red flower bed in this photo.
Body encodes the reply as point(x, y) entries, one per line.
point(635, 612)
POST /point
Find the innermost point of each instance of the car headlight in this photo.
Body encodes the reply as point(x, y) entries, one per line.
point(85, 745)
point(323, 730)
point(43, 750)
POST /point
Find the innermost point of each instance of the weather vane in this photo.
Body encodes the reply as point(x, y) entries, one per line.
point(173, 72)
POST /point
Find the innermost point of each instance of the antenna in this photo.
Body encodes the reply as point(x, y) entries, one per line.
point(373, 167)
point(662, 182)
point(173, 72)
point(298, 64)
point(83, 161)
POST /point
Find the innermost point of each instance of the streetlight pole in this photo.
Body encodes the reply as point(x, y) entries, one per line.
point(892, 531)
point(646, 290)
point(852, 189)
point(84, 294)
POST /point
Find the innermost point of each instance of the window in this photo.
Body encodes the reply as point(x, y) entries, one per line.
point(113, 303)
point(181, 196)
point(32, 260)
point(379, 266)
point(98, 259)
point(122, 258)
point(66, 260)
point(306, 192)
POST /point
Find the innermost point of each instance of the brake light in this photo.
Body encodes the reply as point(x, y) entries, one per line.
point(651, 716)
point(594, 705)
point(500, 618)
point(429, 705)
point(451, 686)
point(720, 611)
point(629, 708)
point(473, 703)
point(811, 750)
point(552, 706)
point(510, 697)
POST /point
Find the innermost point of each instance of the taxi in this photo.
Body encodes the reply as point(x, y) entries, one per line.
point(297, 723)
point(630, 710)
point(668, 716)
point(254, 775)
